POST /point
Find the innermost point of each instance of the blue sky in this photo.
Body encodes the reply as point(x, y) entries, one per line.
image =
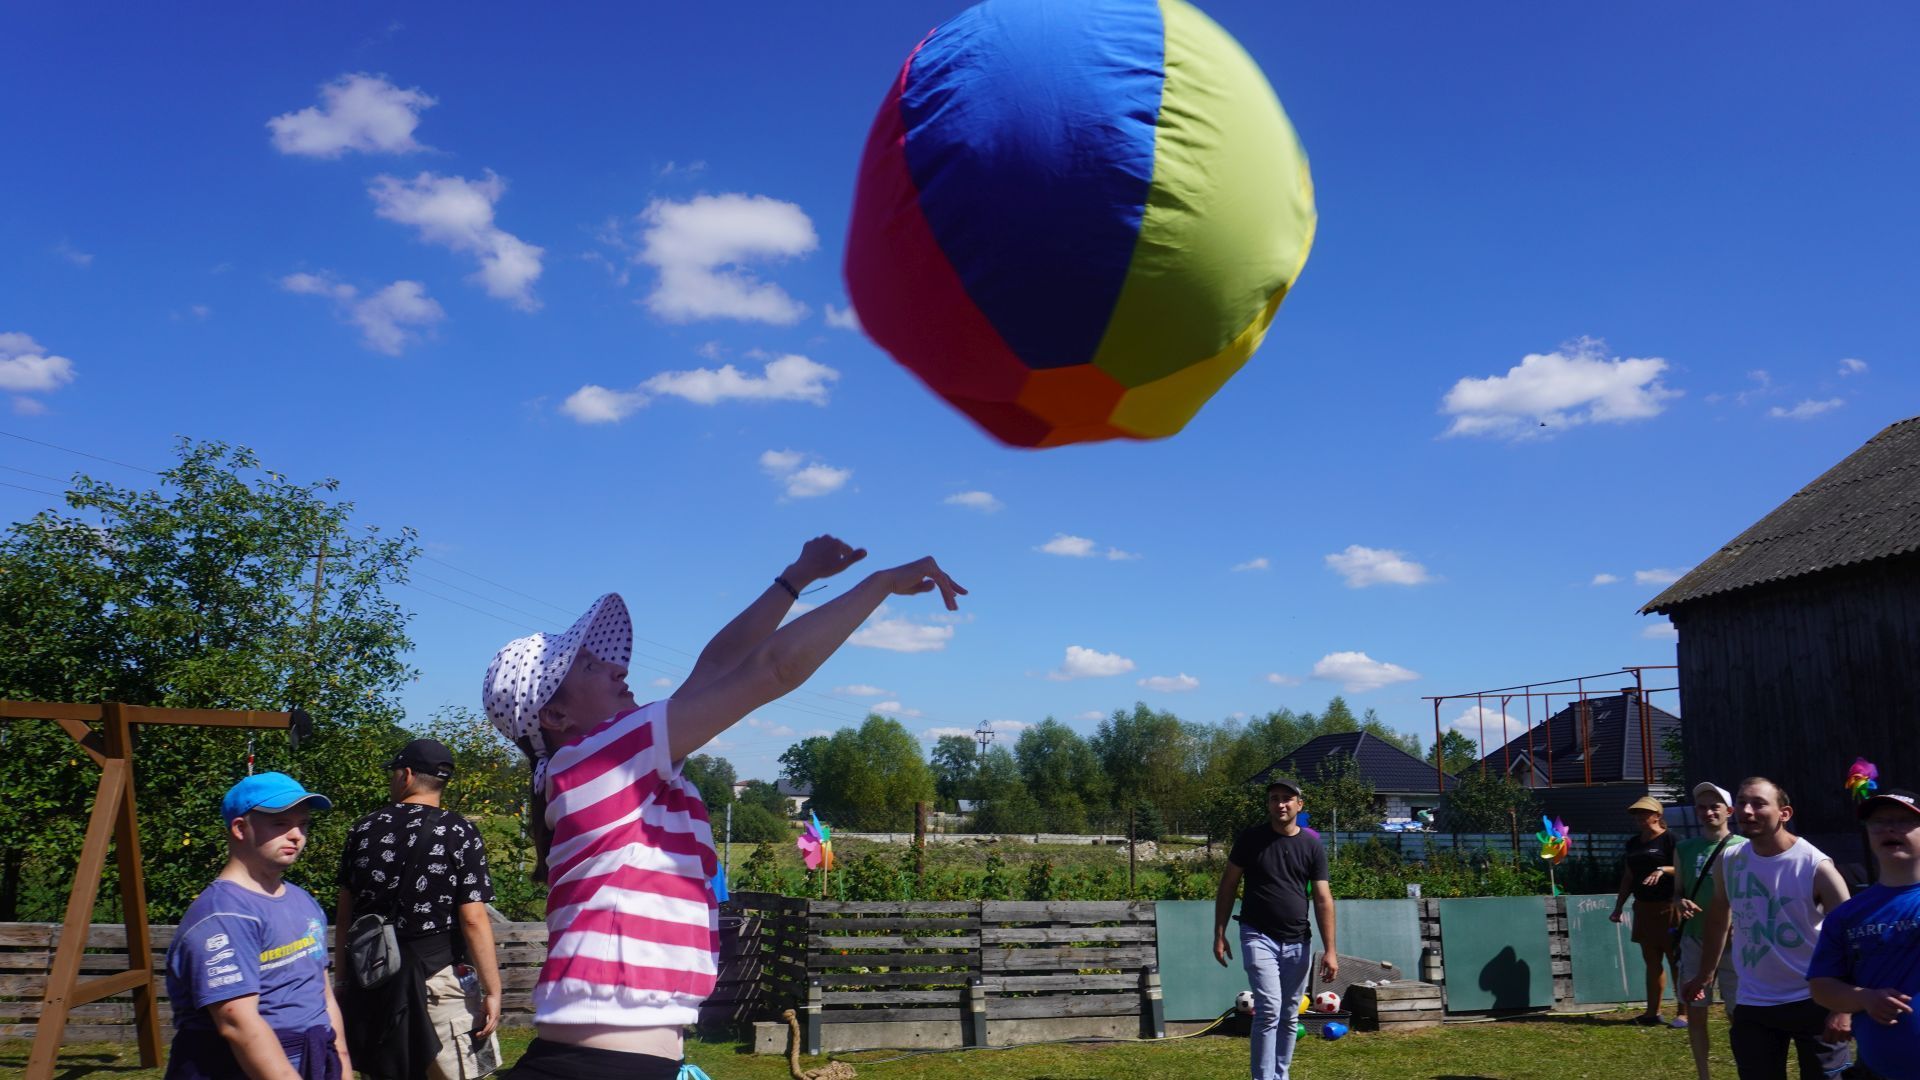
point(396, 251)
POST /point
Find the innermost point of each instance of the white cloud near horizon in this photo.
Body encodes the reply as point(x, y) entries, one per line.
point(1079, 547)
point(1259, 562)
point(895, 709)
point(1170, 684)
point(885, 630)
point(784, 378)
point(358, 112)
point(975, 500)
point(862, 690)
point(801, 476)
point(1090, 715)
point(1282, 679)
point(1469, 721)
point(1364, 566)
point(26, 367)
point(1548, 392)
point(1848, 366)
point(841, 318)
point(1606, 579)
point(389, 320)
point(1356, 672)
point(701, 247)
point(1806, 410)
point(1085, 663)
point(1661, 631)
point(1659, 576)
point(457, 213)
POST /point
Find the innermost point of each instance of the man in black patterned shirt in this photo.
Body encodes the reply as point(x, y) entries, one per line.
point(425, 869)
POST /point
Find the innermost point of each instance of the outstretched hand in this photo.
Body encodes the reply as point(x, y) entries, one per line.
point(923, 575)
point(822, 557)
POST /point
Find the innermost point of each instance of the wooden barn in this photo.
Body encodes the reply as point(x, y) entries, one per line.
point(1589, 760)
point(1799, 640)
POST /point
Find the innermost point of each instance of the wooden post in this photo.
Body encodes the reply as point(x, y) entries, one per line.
point(112, 820)
point(919, 842)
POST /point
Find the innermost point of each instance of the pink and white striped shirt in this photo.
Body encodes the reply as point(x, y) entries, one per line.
point(633, 932)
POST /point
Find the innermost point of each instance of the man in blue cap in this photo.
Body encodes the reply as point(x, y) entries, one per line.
point(247, 970)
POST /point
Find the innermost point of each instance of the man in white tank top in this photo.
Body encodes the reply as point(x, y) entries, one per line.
point(1776, 890)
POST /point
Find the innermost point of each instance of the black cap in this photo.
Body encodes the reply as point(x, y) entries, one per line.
point(1287, 782)
point(1906, 800)
point(424, 756)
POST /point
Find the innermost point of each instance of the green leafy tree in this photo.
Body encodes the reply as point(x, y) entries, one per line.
point(800, 763)
point(765, 796)
point(489, 773)
point(1227, 808)
point(1062, 774)
point(713, 777)
point(1486, 803)
point(1005, 805)
point(1456, 753)
point(1338, 793)
point(196, 593)
point(753, 823)
point(955, 760)
point(868, 778)
point(1147, 756)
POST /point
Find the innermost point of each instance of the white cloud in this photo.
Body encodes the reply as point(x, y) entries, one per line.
point(83, 259)
point(1357, 672)
point(1281, 679)
point(1090, 715)
point(358, 112)
point(785, 378)
point(862, 690)
point(1468, 723)
point(1806, 410)
point(769, 728)
point(935, 734)
point(201, 312)
point(1364, 566)
point(801, 478)
point(975, 500)
point(894, 708)
point(1849, 366)
point(388, 320)
point(1079, 547)
point(1258, 563)
point(1171, 684)
point(841, 318)
point(27, 368)
point(1606, 579)
point(897, 634)
point(1661, 631)
point(457, 213)
point(1657, 577)
point(1084, 663)
point(660, 683)
point(700, 247)
point(1576, 384)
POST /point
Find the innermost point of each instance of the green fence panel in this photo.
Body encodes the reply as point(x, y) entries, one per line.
point(1496, 953)
point(1377, 930)
point(1193, 986)
point(1606, 963)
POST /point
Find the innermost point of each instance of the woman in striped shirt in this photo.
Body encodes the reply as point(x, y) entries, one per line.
point(623, 838)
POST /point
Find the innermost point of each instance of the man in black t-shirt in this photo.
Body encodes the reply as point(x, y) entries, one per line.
point(1281, 864)
point(425, 870)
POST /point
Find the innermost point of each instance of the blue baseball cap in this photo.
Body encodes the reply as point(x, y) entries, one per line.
point(268, 791)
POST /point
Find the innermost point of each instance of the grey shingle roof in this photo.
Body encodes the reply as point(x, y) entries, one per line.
point(1384, 765)
point(1865, 508)
point(1613, 739)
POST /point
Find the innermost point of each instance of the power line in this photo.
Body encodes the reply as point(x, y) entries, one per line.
point(81, 453)
point(38, 475)
point(35, 490)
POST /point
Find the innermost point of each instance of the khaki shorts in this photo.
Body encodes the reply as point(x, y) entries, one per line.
point(455, 1014)
point(1726, 981)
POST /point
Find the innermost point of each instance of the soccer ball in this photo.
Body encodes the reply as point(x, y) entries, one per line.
point(1243, 1003)
point(1327, 1002)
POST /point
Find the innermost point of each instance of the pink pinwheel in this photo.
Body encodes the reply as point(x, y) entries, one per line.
point(1861, 779)
point(816, 845)
point(1554, 839)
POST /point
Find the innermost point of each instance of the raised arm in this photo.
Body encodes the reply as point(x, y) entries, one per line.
point(792, 654)
point(820, 557)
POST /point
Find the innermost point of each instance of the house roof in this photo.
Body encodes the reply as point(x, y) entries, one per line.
point(792, 790)
point(1612, 741)
point(1386, 766)
point(1865, 508)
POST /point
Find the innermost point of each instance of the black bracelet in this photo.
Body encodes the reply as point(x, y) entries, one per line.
point(787, 585)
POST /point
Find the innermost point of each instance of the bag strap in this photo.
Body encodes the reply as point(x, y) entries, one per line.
point(1707, 870)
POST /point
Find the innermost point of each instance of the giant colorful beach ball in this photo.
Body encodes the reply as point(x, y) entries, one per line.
point(1075, 219)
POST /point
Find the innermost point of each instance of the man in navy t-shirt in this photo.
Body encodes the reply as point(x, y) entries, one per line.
point(247, 970)
point(1281, 863)
point(1868, 957)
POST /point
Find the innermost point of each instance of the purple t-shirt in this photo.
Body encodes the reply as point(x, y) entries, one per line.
point(233, 942)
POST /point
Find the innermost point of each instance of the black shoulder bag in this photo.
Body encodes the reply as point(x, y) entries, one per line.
point(1678, 929)
point(373, 949)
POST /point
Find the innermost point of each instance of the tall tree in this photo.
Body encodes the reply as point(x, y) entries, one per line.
point(713, 777)
point(1457, 753)
point(1061, 773)
point(1337, 795)
point(800, 763)
point(955, 760)
point(1005, 803)
point(199, 593)
point(868, 778)
point(1146, 755)
point(489, 773)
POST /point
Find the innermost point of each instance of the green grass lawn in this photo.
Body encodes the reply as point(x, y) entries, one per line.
point(1547, 1047)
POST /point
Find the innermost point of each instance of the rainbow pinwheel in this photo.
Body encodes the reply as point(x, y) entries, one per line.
point(1861, 778)
point(1554, 840)
point(816, 845)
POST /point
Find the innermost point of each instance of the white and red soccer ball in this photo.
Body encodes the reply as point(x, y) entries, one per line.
point(1326, 1002)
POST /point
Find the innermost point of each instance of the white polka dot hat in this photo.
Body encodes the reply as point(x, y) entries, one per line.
point(526, 671)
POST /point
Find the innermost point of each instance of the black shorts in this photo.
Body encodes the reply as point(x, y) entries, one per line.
point(560, 1061)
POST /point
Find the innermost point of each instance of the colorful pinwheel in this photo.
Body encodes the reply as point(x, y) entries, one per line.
point(1861, 778)
point(816, 845)
point(1554, 840)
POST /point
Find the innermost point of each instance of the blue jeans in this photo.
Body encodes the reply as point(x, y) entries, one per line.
point(1277, 972)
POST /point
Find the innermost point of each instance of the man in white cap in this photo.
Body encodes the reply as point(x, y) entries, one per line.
point(1699, 859)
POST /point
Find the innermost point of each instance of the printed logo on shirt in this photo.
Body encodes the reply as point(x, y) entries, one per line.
point(1772, 928)
point(217, 942)
point(223, 954)
point(224, 969)
point(306, 945)
point(224, 980)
